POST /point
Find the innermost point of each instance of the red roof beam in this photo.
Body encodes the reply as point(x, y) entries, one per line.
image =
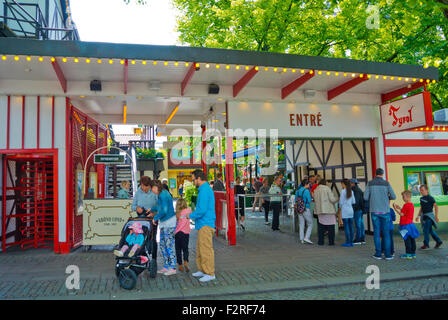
point(187, 78)
point(333, 93)
point(59, 74)
point(399, 92)
point(290, 88)
point(237, 87)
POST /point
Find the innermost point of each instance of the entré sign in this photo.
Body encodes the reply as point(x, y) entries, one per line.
point(305, 119)
point(408, 113)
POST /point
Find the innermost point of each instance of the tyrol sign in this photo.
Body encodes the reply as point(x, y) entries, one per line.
point(408, 113)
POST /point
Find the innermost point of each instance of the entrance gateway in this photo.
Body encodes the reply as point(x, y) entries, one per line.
point(327, 109)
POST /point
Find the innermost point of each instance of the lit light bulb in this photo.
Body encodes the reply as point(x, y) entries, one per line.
point(76, 60)
point(64, 59)
point(99, 61)
point(143, 62)
point(111, 61)
point(28, 58)
point(3, 57)
point(87, 60)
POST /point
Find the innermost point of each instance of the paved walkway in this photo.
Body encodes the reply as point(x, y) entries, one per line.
point(262, 262)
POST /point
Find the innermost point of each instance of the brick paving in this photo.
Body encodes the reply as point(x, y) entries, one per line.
point(261, 261)
point(431, 288)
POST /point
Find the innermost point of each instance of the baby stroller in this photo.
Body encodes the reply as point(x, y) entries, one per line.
point(128, 268)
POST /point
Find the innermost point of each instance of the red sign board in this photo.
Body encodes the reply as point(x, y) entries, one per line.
point(408, 113)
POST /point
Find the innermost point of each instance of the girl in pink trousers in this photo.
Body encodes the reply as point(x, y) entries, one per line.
point(182, 234)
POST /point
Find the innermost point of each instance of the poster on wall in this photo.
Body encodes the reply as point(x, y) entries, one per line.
point(93, 184)
point(78, 191)
point(414, 183)
point(408, 113)
point(434, 183)
point(172, 183)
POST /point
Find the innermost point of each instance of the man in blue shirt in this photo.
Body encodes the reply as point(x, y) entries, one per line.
point(205, 218)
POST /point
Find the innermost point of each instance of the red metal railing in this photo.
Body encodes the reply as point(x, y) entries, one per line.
point(220, 197)
point(34, 204)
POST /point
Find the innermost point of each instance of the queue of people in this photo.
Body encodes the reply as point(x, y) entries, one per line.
point(353, 203)
point(313, 199)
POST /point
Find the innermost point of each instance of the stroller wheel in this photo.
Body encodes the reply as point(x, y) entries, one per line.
point(152, 268)
point(127, 279)
point(117, 271)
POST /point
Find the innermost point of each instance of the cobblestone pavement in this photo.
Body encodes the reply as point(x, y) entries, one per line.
point(431, 288)
point(262, 260)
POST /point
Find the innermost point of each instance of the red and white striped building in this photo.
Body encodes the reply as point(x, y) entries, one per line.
point(418, 152)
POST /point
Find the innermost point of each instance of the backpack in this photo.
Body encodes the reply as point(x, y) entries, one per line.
point(299, 206)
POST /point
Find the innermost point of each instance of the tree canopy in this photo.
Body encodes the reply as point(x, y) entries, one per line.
point(409, 31)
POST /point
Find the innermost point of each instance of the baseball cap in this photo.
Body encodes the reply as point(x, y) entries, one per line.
point(353, 181)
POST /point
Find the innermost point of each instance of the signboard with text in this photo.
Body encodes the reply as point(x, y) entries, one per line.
point(109, 159)
point(408, 113)
point(307, 120)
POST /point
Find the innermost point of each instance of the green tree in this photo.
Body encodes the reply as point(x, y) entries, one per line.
point(410, 31)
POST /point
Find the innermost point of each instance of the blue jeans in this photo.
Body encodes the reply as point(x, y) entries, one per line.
point(381, 225)
point(348, 229)
point(428, 230)
point(360, 233)
point(392, 248)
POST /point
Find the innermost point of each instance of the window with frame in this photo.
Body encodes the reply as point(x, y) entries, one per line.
point(436, 178)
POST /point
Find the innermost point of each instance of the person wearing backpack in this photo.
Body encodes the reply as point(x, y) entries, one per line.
point(302, 208)
point(358, 209)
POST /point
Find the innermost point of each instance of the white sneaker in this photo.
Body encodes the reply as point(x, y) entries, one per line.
point(206, 278)
point(308, 241)
point(198, 274)
point(170, 272)
point(118, 253)
point(302, 242)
